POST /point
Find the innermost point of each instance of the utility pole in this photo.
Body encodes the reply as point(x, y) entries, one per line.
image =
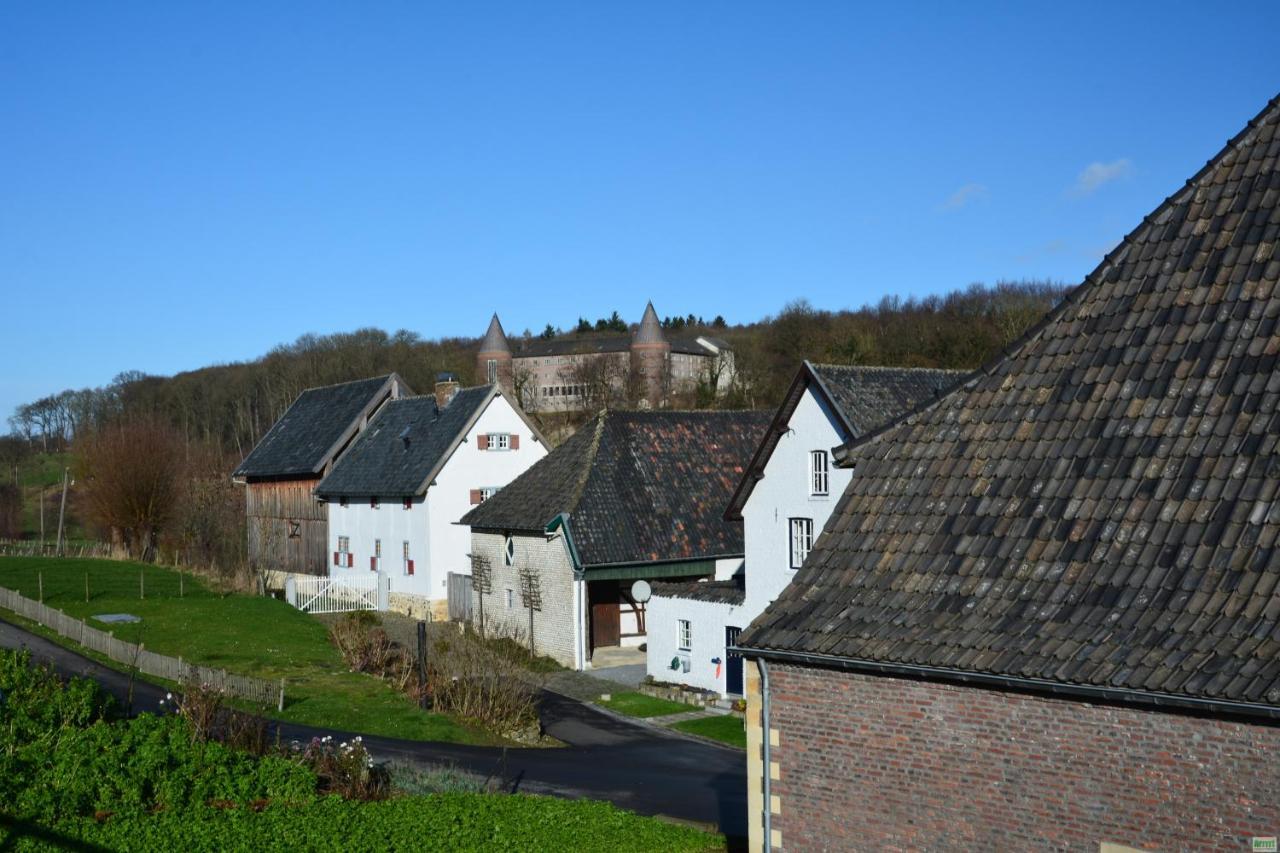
point(62, 512)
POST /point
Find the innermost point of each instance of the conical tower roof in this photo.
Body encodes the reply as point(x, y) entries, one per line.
point(650, 330)
point(495, 340)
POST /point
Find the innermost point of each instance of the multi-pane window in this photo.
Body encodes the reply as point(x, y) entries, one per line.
point(509, 553)
point(499, 441)
point(684, 634)
point(819, 473)
point(801, 540)
point(493, 370)
point(377, 548)
point(408, 563)
point(344, 544)
point(487, 492)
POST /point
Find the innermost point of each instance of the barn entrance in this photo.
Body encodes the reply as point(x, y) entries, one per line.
point(606, 621)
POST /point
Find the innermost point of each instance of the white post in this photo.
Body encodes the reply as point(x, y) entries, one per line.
point(384, 591)
point(291, 590)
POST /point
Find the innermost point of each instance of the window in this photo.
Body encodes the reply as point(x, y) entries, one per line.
point(684, 634)
point(819, 473)
point(377, 548)
point(801, 540)
point(487, 492)
point(511, 598)
point(492, 368)
point(342, 502)
point(343, 556)
point(373, 503)
point(509, 554)
point(344, 544)
point(408, 563)
point(408, 503)
point(499, 441)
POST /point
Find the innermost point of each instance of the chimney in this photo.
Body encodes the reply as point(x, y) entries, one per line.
point(446, 387)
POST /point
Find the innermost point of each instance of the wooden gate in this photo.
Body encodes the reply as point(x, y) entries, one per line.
point(459, 597)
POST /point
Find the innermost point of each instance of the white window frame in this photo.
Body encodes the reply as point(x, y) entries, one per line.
point(487, 492)
point(819, 474)
point(509, 552)
point(405, 556)
point(684, 635)
point(801, 540)
point(499, 441)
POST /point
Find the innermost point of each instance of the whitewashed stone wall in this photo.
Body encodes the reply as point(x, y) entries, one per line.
point(709, 619)
point(556, 625)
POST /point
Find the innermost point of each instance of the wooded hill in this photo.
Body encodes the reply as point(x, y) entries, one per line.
point(232, 405)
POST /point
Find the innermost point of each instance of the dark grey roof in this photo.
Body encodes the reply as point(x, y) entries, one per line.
point(618, 342)
point(495, 340)
point(1101, 507)
point(381, 463)
point(318, 424)
point(869, 397)
point(730, 591)
point(863, 398)
point(639, 487)
point(650, 329)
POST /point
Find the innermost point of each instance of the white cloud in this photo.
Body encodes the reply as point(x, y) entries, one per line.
point(1096, 175)
point(964, 195)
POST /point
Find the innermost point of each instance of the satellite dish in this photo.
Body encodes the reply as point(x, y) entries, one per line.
point(640, 591)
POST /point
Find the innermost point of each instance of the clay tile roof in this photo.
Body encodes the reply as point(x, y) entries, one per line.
point(495, 340)
point(403, 446)
point(312, 431)
point(1101, 506)
point(639, 487)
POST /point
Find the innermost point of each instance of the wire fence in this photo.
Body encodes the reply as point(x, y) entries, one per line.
point(35, 548)
point(135, 656)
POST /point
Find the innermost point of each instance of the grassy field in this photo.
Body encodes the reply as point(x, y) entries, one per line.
point(251, 635)
point(42, 473)
point(725, 728)
point(640, 705)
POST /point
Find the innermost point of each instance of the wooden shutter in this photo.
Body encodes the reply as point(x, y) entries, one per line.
point(410, 567)
point(373, 564)
point(475, 496)
point(515, 441)
point(336, 560)
point(482, 442)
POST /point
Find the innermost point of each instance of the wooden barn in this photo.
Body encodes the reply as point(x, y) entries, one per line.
point(288, 528)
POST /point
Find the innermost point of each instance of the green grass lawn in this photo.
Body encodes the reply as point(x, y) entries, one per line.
point(726, 728)
point(640, 705)
point(250, 635)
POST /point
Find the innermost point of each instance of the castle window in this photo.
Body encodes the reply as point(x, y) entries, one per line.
point(493, 370)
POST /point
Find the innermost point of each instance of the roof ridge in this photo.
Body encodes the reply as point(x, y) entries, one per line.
point(820, 364)
point(382, 376)
point(581, 485)
point(1093, 280)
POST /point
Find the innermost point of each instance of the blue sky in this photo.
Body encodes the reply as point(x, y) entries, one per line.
point(187, 185)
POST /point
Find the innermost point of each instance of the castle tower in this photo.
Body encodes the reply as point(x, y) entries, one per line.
point(651, 358)
point(494, 360)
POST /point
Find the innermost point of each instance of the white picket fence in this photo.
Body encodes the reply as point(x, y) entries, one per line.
point(338, 595)
point(136, 656)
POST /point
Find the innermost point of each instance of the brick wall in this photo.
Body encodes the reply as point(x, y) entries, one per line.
point(553, 625)
point(880, 763)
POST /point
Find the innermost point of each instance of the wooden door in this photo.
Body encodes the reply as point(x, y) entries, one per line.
point(606, 626)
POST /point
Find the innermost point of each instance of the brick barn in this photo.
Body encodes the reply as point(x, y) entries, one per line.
point(1046, 611)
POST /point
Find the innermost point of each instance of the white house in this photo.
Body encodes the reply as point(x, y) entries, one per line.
point(630, 496)
point(784, 499)
point(395, 497)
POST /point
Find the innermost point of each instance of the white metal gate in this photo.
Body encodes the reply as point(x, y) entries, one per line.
point(338, 595)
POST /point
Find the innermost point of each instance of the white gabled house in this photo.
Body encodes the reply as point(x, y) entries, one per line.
point(784, 499)
point(396, 496)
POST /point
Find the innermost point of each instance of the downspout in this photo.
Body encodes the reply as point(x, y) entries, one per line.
point(766, 732)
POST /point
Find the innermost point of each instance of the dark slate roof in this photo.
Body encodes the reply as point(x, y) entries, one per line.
point(495, 340)
point(380, 463)
point(730, 591)
point(570, 345)
point(650, 330)
point(863, 399)
point(1099, 507)
point(314, 428)
point(638, 486)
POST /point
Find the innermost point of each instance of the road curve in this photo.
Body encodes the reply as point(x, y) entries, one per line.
point(637, 767)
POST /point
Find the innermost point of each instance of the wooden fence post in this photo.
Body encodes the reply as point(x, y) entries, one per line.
point(280, 706)
point(40, 579)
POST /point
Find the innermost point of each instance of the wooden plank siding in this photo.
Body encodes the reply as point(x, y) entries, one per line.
point(288, 528)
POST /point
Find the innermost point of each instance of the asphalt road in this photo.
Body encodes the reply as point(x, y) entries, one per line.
point(637, 767)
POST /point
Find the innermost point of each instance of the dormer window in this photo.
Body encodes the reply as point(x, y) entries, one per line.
point(498, 441)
